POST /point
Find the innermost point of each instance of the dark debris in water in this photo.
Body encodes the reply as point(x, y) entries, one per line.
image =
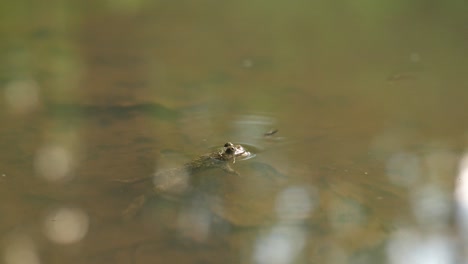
point(271, 132)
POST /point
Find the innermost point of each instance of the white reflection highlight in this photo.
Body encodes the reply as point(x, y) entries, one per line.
point(461, 191)
point(431, 206)
point(404, 169)
point(66, 225)
point(20, 249)
point(295, 203)
point(461, 197)
point(285, 241)
point(409, 246)
point(281, 245)
point(53, 162)
point(195, 222)
point(22, 96)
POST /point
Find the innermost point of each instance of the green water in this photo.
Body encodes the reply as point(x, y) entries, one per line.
point(369, 99)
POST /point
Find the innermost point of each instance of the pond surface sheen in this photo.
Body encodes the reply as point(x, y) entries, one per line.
point(368, 165)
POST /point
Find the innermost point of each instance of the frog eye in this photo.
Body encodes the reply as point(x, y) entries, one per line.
point(228, 144)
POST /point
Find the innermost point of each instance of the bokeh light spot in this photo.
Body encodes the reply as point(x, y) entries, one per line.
point(22, 96)
point(295, 203)
point(404, 169)
point(66, 225)
point(20, 249)
point(281, 245)
point(53, 162)
point(410, 246)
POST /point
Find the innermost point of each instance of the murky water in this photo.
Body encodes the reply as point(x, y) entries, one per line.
point(368, 165)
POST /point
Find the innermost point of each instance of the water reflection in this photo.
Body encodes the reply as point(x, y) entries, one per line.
point(54, 163)
point(295, 204)
point(413, 246)
point(127, 80)
point(66, 225)
point(404, 169)
point(461, 199)
point(281, 245)
point(429, 239)
point(20, 249)
point(253, 126)
point(432, 207)
point(194, 221)
point(22, 96)
point(284, 242)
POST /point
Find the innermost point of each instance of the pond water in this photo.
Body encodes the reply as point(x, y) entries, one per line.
point(368, 165)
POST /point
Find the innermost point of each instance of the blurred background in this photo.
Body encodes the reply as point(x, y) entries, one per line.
point(369, 164)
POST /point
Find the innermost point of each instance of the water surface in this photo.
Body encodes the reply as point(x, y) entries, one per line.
point(368, 165)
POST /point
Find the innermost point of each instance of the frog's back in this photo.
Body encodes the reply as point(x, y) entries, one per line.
point(177, 180)
point(203, 162)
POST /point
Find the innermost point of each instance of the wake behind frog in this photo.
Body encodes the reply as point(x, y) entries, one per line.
point(176, 181)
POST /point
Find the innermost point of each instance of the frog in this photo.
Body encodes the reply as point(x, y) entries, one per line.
point(175, 182)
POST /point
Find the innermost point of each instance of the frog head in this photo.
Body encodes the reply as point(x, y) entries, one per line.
point(232, 151)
